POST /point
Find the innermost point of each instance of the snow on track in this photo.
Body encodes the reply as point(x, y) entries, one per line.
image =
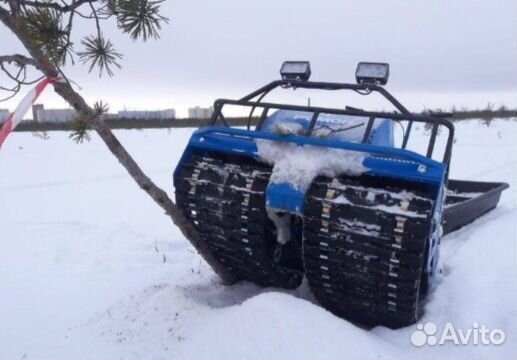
point(299, 165)
point(90, 268)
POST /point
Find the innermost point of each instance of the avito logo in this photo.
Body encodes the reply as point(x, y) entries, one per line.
point(428, 334)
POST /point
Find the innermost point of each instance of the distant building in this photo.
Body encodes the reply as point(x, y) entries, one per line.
point(110, 116)
point(148, 115)
point(4, 114)
point(35, 109)
point(40, 114)
point(200, 113)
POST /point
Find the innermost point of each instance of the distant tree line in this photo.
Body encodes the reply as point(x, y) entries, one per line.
point(123, 123)
point(487, 114)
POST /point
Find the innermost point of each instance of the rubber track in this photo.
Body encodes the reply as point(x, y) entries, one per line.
point(225, 201)
point(363, 249)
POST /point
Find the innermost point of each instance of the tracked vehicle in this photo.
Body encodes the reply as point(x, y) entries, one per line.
point(330, 194)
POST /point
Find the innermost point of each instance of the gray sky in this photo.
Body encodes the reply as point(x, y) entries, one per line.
point(441, 52)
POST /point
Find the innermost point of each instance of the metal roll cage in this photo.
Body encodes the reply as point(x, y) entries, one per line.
point(363, 89)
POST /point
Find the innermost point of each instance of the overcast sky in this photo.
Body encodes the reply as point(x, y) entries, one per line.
point(441, 52)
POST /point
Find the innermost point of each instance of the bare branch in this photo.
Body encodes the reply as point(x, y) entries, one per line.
point(17, 73)
point(15, 66)
point(97, 23)
point(54, 5)
point(18, 59)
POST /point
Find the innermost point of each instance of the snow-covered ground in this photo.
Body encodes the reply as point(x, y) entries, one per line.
point(91, 269)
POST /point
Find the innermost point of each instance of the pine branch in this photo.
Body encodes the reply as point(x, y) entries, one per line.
point(140, 18)
point(100, 52)
point(45, 28)
point(14, 22)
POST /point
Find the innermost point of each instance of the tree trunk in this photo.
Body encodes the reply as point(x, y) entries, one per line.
point(158, 195)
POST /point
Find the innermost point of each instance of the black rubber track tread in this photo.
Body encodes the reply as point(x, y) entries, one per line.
point(364, 247)
point(225, 201)
point(361, 267)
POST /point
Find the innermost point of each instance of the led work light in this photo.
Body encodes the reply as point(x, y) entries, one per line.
point(372, 73)
point(296, 70)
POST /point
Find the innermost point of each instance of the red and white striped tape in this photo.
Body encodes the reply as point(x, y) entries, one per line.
point(15, 117)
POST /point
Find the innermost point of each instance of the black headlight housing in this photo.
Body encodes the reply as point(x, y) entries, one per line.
point(372, 73)
point(296, 70)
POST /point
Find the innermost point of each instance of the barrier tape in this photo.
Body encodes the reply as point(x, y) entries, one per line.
point(16, 117)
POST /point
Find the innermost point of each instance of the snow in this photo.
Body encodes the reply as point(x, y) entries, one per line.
point(90, 268)
point(360, 227)
point(464, 194)
point(394, 209)
point(299, 165)
point(288, 129)
point(332, 126)
point(282, 223)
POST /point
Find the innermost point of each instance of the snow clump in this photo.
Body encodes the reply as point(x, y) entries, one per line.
point(299, 165)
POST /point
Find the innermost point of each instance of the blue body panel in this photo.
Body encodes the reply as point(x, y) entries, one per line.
point(382, 160)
